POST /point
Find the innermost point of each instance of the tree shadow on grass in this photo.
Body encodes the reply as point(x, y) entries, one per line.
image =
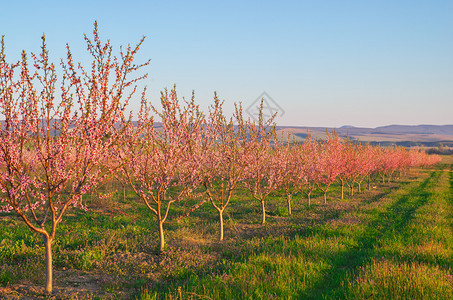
point(385, 224)
point(310, 225)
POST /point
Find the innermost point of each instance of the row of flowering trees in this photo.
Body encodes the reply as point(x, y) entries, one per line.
point(60, 139)
point(211, 157)
point(321, 163)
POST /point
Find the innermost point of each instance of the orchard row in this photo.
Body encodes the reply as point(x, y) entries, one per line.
point(211, 157)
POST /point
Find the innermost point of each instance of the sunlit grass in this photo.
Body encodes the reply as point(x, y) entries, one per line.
point(389, 279)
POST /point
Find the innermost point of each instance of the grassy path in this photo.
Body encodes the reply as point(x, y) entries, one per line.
point(406, 251)
point(382, 224)
point(397, 245)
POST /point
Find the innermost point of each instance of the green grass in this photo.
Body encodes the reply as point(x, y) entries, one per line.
point(393, 242)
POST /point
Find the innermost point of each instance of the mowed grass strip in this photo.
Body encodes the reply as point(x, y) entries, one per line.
point(377, 222)
point(322, 264)
point(415, 261)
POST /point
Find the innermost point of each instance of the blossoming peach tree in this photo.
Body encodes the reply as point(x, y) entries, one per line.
point(221, 157)
point(263, 174)
point(52, 145)
point(158, 163)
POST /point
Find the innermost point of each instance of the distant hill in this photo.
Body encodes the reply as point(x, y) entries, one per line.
point(406, 135)
point(427, 135)
point(419, 129)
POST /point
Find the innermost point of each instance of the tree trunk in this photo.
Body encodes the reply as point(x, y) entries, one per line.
point(264, 213)
point(161, 236)
point(309, 199)
point(352, 189)
point(221, 225)
point(288, 200)
point(325, 197)
point(359, 189)
point(342, 190)
point(49, 268)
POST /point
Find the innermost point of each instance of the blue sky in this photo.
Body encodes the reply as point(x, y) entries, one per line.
point(326, 63)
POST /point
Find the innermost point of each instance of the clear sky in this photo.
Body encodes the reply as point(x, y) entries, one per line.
point(326, 63)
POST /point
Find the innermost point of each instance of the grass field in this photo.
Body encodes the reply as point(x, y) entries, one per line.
point(393, 242)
